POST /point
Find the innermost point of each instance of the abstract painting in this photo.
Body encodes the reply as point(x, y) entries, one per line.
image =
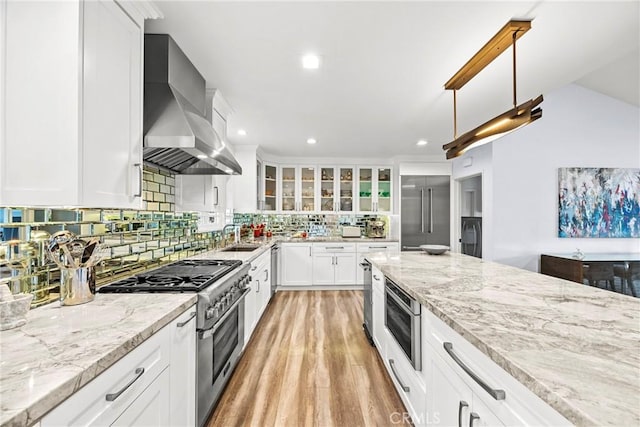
point(599, 202)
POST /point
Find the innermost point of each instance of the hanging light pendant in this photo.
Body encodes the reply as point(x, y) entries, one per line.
point(516, 117)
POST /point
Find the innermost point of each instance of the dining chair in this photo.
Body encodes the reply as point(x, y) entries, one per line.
point(597, 272)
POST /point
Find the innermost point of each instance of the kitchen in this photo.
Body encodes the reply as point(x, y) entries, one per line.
point(282, 107)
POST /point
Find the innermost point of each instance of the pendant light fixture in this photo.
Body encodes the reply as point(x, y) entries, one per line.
point(516, 117)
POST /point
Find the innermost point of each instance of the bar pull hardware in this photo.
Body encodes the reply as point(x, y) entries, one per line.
point(376, 277)
point(113, 396)
point(217, 196)
point(497, 394)
point(335, 247)
point(254, 268)
point(181, 324)
point(472, 418)
point(431, 210)
point(258, 288)
point(422, 210)
point(140, 179)
point(395, 374)
point(266, 275)
point(461, 406)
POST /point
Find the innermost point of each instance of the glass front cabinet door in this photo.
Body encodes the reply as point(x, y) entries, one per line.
point(327, 189)
point(270, 188)
point(288, 190)
point(307, 201)
point(374, 189)
point(347, 180)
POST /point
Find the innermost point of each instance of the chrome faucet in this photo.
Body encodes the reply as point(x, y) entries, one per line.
point(236, 231)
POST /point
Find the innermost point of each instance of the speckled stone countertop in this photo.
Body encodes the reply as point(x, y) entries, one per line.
point(576, 347)
point(60, 349)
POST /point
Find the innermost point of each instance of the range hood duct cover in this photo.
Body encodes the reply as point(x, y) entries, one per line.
point(177, 137)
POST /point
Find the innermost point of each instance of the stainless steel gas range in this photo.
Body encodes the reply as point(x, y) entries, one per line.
point(221, 286)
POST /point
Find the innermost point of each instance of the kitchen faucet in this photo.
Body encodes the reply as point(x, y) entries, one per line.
point(236, 230)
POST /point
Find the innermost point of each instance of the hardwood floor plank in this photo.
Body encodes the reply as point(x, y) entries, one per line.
point(309, 364)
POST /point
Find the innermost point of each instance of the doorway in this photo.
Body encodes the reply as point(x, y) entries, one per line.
point(469, 217)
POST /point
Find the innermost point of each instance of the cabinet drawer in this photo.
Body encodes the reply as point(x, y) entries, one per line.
point(377, 247)
point(89, 405)
point(403, 374)
point(321, 248)
point(520, 406)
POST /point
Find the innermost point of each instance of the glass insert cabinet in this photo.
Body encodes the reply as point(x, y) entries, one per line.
point(349, 189)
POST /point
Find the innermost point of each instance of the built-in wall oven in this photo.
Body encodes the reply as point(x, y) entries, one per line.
point(402, 317)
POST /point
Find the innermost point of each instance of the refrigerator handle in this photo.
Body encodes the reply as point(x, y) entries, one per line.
point(430, 210)
point(422, 210)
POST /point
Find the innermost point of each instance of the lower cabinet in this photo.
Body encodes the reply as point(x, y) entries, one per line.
point(377, 296)
point(296, 264)
point(256, 301)
point(153, 385)
point(458, 384)
point(151, 408)
point(334, 264)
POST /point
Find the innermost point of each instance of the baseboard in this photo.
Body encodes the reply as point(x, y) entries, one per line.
point(321, 288)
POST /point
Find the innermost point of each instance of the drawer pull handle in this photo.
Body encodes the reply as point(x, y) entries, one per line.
point(376, 277)
point(113, 396)
point(395, 374)
point(497, 394)
point(181, 324)
point(472, 418)
point(461, 406)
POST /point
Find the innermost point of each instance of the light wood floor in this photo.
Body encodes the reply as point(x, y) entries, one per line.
point(309, 364)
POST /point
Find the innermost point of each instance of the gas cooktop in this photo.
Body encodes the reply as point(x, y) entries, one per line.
point(182, 276)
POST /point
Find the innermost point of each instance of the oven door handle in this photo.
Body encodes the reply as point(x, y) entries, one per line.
point(401, 303)
point(206, 333)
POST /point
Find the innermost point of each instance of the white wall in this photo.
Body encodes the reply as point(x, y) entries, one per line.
point(579, 128)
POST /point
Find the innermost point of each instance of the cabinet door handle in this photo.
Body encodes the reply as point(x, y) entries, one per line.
point(431, 210)
point(497, 394)
point(422, 210)
point(472, 418)
point(266, 275)
point(336, 260)
point(254, 268)
point(113, 396)
point(328, 248)
point(181, 324)
point(217, 196)
point(309, 250)
point(140, 175)
point(376, 277)
point(461, 406)
point(395, 374)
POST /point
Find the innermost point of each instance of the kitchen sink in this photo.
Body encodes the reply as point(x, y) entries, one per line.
point(244, 248)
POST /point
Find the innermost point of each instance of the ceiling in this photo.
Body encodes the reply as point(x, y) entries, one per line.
point(380, 85)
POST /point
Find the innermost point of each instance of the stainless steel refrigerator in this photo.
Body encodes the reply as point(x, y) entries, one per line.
point(471, 240)
point(424, 211)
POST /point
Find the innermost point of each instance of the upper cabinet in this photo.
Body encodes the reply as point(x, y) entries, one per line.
point(298, 188)
point(336, 188)
point(375, 189)
point(270, 197)
point(73, 104)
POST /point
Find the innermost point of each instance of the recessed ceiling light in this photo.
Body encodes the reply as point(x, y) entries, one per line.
point(422, 143)
point(201, 156)
point(242, 132)
point(311, 62)
point(311, 141)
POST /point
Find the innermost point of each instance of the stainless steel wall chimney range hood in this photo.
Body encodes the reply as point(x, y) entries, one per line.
point(177, 137)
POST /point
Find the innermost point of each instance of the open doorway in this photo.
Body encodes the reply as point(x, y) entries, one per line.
point(470, 215)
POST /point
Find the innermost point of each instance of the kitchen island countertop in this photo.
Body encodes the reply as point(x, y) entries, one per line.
point(574, 346)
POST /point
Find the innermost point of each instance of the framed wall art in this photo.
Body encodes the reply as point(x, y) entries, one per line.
point(598, 202)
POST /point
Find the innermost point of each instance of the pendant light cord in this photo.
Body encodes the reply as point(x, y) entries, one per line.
point(513, 36)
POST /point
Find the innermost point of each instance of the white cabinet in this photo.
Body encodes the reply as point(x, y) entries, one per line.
point(365, 249)
point(73, 79)
point(270, 188)
point(375, 188)
point(197, 193)
point(296, 264)
point(154, 384)
point(377, 295)
point(334, 264)
point(457, 373)
point(298, 188)
point(337, 186)
point(256, 301)
point(182, 403)
point(151, 408)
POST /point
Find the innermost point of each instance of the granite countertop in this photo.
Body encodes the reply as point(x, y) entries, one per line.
point(60, 349)
point(576, 347)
